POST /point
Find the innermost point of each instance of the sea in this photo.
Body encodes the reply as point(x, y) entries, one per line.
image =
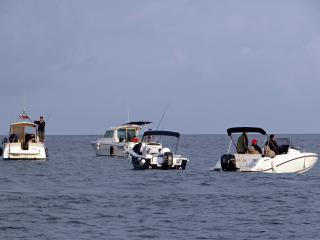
point(78, 195)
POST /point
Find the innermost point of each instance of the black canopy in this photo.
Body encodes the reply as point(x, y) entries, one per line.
point(245, 129)
point(138, 123)
point(161, 133)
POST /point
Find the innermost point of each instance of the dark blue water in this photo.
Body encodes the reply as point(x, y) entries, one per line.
point(76, 195)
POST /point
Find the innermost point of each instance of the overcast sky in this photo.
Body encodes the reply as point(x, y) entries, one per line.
point(216, 64)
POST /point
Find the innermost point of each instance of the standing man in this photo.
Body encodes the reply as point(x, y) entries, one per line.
point(41, 125)
point(242, 144)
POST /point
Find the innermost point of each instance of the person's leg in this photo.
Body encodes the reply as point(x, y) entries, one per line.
point(41, 136)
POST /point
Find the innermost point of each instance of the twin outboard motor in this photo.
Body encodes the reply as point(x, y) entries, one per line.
point(167, 160)
point(228, 162)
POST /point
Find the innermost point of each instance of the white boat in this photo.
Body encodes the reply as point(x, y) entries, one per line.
point(289, 159)
point(118, 140)
point(24, 143)
point(151, 154)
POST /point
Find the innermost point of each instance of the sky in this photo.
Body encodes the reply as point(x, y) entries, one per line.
point(87, 65)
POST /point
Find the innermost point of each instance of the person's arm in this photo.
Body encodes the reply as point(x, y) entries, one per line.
point(259, 149)
point(275, 146)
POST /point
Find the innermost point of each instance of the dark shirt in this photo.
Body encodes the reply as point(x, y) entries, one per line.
point(273, 145)
point(41, 125)
point(242, 144)
point(257, 148)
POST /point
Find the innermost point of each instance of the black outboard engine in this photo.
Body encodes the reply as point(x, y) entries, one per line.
point(228, 162)
point(167, 160)
point(136, 148)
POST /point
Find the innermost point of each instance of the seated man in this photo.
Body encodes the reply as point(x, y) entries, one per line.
point(134, 139)
point(254, 148)
point(273, 145)
point(13, 138)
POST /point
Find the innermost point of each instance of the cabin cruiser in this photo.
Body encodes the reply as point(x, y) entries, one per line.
point(289, 159)
point(151, 154)
point(118, 140)
point(23, 143)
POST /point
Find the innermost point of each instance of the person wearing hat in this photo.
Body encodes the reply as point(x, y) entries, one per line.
point(256, 146)
point(41, 126)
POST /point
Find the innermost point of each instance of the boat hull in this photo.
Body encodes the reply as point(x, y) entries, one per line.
point(286, 163)
point(112, 149)
point(103, 149)
point(35, 151)
point(149, 163)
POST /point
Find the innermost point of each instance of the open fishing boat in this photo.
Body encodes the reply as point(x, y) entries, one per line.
point(288, 159)
point(151, 154)
point(118, 140)
point(23, 143)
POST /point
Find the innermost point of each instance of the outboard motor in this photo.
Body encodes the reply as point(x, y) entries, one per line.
point(228, 162)
point(167, 160)
point(136, 148)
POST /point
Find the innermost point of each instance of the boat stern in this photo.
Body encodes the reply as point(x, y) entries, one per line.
point(13, 151)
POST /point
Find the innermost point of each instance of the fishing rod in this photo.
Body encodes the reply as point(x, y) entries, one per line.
point(163, 114)
point(48, 117)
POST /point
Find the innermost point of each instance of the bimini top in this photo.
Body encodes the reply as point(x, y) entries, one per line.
point(245, 129)
point(161, 133)
point(139, 123)
point(24, 124)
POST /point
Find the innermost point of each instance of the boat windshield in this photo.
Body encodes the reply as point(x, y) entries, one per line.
point(108, 134)
point(163, 140)
point(283, 141)
point(126, 134)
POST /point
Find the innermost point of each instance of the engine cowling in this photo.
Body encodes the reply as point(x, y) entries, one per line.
point(167, 160)
point(228, 162)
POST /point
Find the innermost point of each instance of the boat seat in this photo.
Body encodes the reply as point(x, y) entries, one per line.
point(32, 140)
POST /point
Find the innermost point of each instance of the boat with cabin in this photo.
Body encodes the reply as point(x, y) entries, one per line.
point(287, 159)
point(116, 141)
point(23, 143)
point(152, 153)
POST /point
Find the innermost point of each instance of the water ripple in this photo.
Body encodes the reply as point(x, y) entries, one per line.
point(76, 195)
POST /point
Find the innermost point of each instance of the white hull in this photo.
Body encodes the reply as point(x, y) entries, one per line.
point(118, 140)
point(111, 149)
point(292, 162)
point(153, 155)
point(158, 161)
point(35, 151)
